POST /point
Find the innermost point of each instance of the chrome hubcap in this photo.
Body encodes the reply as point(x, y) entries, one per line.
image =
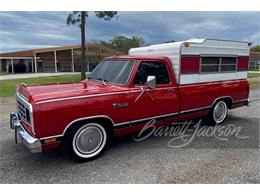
point(220, 112)
point(89, 140)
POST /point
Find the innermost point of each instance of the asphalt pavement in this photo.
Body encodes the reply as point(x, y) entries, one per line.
point(205, 160)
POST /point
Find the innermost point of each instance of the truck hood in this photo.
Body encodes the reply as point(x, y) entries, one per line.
point(48, 92)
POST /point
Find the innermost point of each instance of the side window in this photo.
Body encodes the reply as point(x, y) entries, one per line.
point(218, 64)
point(228, 64)
point(157, 69)
point(209, 64)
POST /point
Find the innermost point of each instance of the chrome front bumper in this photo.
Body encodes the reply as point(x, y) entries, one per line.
point(21, 135)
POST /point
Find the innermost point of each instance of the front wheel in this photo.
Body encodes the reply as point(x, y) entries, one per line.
point(218, 113)
point(86, 142)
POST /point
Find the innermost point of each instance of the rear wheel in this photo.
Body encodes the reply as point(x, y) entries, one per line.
point(86, 142)
point(218, 113)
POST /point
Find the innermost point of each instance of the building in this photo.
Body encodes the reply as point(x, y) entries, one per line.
point(254, 61)
point(53, 59)
point(67, 59)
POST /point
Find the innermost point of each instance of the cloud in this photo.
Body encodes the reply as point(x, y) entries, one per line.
point(53, 36)
point(24, 30)
point(207, 25)
point(255, 37)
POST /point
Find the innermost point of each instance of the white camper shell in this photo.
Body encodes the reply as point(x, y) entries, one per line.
point(204, 48)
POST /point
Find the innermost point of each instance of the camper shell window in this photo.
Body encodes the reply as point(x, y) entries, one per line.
point(218, 64)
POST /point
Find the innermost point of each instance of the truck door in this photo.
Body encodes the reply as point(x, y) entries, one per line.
point(161, 103)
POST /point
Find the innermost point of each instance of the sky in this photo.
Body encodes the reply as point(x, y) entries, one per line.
point(28, 30)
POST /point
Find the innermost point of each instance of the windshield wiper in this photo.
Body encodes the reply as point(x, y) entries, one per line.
point(103, 80)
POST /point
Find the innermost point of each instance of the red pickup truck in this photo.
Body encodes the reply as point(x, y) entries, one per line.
point(123, 93)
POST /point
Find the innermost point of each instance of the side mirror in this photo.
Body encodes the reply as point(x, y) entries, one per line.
point(151, 82)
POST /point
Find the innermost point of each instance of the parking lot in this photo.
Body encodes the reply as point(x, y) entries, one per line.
point(127, 161)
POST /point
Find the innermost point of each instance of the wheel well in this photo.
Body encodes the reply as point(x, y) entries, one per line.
point(106, 122)
point(227, 100)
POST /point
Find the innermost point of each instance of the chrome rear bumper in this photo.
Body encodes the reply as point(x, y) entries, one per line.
point(21, 135)
point(248, 102)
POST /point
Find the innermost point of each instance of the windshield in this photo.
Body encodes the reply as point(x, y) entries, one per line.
point(114, 71)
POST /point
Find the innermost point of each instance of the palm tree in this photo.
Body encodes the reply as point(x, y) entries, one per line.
point(79, 17)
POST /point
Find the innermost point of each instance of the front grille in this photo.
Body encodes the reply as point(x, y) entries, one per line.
point(23, 111)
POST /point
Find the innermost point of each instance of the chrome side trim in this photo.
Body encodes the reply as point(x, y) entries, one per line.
point(210, 83)
point(124, 123)
point(206, 107)
point(99, 95)
point(139, 120)
point(192, 110)
point(49, 137)
point(222, 98)
point(76, 120)
point(238, 101)
point(79, 97)
point(154, 117)
point(171, 114)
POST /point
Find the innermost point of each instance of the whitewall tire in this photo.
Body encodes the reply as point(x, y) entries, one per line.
point(218, 113)
point(86, 142)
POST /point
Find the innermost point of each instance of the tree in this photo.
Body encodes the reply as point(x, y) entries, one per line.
point(123, 44)
point(255, 48)
point(79, 17)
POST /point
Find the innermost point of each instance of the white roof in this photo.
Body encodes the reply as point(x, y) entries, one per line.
point(172, 45)
point(175, 50)
point(193, 42)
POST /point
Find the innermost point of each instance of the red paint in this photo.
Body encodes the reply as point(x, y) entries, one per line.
point(87, 99)
point(190, 64)
point(191, 95)
point(242, 63)
point(50, 146)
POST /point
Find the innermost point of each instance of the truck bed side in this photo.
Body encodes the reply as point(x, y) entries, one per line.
point(203, 95)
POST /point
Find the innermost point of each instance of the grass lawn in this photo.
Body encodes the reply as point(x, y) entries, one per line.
point(254, 84)
point(253, 75)
point(7, 87)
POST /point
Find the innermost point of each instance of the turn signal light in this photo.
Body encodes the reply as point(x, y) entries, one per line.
point(186, 44)
point(47, 141)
